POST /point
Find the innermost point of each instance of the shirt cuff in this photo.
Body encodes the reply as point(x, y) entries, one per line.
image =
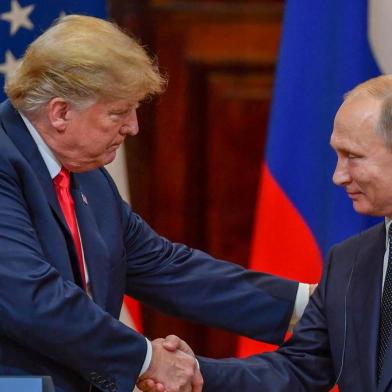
point(301, 301)
point(147, 359)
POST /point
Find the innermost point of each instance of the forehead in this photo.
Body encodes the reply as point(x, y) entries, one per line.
point(104, 106)
point(120, 103)
point(356, 120)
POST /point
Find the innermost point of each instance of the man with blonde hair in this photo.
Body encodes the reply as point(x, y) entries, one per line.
point(344, 336)
point(70, 247)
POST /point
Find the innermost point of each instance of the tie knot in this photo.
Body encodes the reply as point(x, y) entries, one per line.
point(62, 179)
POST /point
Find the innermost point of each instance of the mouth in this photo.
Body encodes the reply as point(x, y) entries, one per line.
point(353, 195)
point(114, 147)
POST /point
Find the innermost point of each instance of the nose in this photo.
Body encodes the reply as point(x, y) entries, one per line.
point(131, 126)
point(341, 176)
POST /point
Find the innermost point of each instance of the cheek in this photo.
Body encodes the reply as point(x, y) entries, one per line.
point(360, 174)
point(104, 135)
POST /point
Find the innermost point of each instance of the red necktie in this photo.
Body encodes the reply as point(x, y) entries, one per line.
point(62, 186)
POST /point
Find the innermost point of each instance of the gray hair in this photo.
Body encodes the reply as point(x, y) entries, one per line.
point(379, 88)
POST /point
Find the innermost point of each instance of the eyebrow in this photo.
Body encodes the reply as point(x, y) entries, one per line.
point(125, 109)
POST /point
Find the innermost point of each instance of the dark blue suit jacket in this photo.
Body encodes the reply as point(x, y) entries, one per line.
point(336, 336)
point(49, 326)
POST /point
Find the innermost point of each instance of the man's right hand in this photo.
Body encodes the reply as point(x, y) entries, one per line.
point(172, 371)
point(173, 343)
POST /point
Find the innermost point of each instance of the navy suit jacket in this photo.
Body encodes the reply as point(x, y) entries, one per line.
point(336, 339)
point(49, 326)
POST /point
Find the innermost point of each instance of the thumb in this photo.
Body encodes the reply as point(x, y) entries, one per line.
point(172, 343)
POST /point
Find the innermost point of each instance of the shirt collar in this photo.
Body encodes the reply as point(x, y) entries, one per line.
point(51, 162)
point(388, 222)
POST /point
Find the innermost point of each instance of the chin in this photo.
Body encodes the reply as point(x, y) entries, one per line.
point(109, 158)
point(360, 208)
point(365, 209)
point(82, 167)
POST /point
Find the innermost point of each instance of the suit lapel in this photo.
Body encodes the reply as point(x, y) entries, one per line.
point(20, 136)
point(95, 251)
point(386, 374)
point(365, 300)
point(17, 132)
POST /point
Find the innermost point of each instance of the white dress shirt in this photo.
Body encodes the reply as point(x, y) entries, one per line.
point(388, 222)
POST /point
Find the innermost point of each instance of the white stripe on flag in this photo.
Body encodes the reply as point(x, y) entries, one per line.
point(126, 317)
point(380, 32)
point(118, 170)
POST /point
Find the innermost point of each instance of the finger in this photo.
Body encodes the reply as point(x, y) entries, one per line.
point(147, 385)
point(172, 342)
point(197, 381)
point(160, 387)
point(157, 387)
point(186, 388)
point(144, 385)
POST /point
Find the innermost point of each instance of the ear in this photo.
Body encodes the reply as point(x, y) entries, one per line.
point(59, 113)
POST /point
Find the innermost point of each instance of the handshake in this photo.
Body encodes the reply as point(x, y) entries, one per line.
point(173, 368)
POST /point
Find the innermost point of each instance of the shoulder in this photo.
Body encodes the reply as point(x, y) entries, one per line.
point(11, 156)
point(369, 236)
point(358, 249)
point(12, 161)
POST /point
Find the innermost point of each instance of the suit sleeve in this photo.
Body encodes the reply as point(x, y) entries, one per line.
point(52, 316)
point(303, 364)
point(189, 283)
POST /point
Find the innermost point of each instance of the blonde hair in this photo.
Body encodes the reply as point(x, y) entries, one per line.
point(82, 59)
point(379, 88)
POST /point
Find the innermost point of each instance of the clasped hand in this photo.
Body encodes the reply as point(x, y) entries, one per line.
point(173, 368)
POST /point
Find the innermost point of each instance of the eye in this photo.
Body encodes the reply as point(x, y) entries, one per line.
point(118, 112)
point(352, 156)
point(117, 115)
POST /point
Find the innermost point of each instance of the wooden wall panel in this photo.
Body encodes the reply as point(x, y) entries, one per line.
point(195, 166)
point(235, 105)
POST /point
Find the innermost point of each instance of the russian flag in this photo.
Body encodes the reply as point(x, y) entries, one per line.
point(327, 48)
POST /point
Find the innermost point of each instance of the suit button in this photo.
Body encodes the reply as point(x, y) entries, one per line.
point(93, 376)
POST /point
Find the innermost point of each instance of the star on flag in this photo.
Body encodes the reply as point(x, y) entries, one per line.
point(9, 65)
point(18, 17)
point(21, 21)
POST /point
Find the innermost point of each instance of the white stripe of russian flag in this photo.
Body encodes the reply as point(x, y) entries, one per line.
point(380, 32)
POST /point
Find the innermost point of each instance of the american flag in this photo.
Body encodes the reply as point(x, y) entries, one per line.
point(21, 21)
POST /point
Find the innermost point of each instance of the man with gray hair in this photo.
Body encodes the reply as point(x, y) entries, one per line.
point(70, 248)
point(344, 336)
